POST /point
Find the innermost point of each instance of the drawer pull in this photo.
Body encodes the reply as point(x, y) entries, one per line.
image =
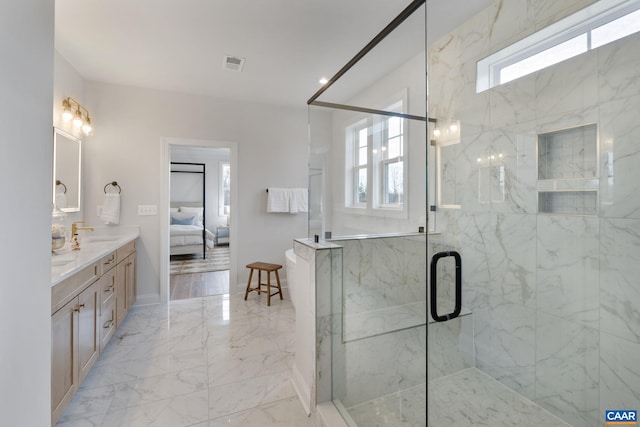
point(79, 307)
point(108, 324)
point(109, 289)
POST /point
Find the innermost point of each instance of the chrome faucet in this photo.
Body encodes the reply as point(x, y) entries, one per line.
point(75, 228)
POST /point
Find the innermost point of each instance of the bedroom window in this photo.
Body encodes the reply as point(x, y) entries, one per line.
point(374, 162)
point(603, 22)
point(224, 193)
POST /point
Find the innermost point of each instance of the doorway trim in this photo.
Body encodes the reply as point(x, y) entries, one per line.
point(165, 182)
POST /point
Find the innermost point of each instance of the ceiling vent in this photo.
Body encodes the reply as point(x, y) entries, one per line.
point(232, 63)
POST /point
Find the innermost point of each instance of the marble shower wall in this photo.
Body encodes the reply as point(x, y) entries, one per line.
point(554, 297)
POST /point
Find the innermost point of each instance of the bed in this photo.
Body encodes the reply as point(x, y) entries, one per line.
point(187, 234)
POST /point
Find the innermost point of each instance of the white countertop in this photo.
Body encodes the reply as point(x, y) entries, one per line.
point(93, 246)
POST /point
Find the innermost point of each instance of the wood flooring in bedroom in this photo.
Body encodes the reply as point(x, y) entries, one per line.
point(194, 285)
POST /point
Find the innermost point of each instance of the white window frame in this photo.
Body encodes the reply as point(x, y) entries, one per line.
point(577, 27)
point(223, 210)
point(376, 126)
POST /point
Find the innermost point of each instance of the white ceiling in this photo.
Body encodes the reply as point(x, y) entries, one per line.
point(178, 45)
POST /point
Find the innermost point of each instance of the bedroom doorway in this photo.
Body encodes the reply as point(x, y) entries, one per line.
point(199, 199)
point(198, 204)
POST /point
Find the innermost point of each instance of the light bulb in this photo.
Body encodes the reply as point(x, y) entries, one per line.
point(67, 115)
point(324, 81)
point(86, 127)
point(454, 127)
point(77, 120)
point(436, 132)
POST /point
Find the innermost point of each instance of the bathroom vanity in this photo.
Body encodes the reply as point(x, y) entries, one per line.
point(91, 292)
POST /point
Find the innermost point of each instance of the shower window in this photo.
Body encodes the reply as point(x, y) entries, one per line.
point(594, 26)
point(375, 149)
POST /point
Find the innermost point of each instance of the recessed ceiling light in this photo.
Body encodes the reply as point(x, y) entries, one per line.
point(324, 81)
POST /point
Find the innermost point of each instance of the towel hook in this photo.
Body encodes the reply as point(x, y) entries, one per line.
point(58, 182)
point(115, 184)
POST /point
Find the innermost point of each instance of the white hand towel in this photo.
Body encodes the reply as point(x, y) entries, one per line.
point(61, 200)
point(111, 208)
point(299, 200)
point(278, 200)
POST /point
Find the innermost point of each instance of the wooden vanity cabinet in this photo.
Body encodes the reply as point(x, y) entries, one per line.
point(75, 342)
point(125, 280)
point(88, 335)
point(86, 309)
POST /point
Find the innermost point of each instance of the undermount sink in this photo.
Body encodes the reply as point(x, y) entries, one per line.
point(58, 260)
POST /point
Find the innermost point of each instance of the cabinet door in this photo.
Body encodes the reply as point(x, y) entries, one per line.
point(130, 280)
point(121, 292)
point(88, 336)
point(64, 357)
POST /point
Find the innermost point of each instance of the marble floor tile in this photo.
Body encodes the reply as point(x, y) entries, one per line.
point(472, 398)
point(178, 411)
point(229, 398)
point(209, 361)
point(283, 413)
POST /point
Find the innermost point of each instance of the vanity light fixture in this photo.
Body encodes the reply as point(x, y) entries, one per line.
point(80, 116)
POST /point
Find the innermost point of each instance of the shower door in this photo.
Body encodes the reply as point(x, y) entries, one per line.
point(534, 182)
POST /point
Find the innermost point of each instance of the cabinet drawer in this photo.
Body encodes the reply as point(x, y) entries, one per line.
point(108, 262)
point(107, 324)
point(68, 289)
point(108, 286)
point(125, 251)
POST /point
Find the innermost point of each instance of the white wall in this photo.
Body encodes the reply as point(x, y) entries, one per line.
point(126, 146)
point(26, 87)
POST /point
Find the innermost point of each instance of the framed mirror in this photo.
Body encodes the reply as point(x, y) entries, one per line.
point(67, 160)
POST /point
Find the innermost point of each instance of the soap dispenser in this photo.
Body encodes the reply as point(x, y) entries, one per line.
point(58, 229)
point(75, 242)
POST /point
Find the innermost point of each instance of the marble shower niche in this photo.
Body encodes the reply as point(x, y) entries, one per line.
point(568, 171)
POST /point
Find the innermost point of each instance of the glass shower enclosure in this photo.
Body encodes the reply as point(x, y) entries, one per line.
point(484, 228)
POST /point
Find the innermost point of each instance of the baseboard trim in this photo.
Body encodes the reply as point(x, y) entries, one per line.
point(148, 299)
point(302, 389)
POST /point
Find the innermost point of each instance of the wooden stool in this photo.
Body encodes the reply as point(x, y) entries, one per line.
point(263, 266)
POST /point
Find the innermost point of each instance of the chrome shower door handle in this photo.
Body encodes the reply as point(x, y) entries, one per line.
point(434, 288)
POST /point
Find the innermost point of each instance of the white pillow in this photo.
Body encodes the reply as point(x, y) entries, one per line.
point(198, 212)
point(174, 210)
